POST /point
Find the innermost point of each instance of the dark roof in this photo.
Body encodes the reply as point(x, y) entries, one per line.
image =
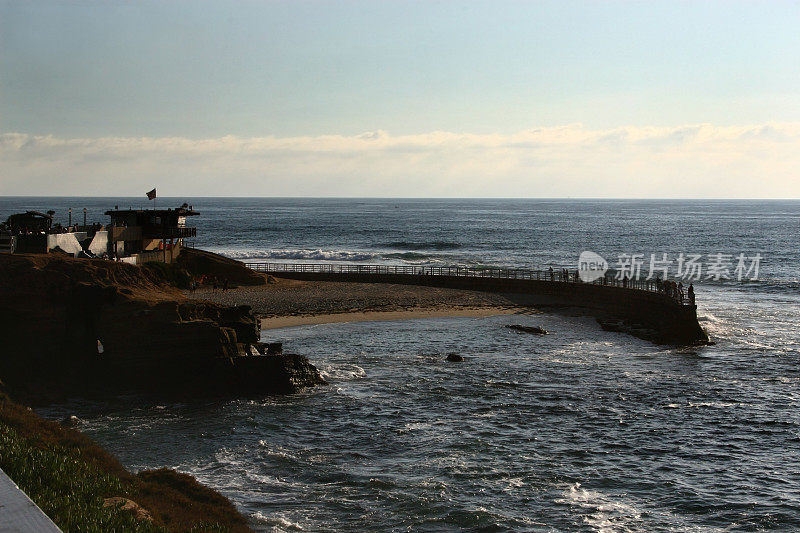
point(180, 211)
point(32, 214)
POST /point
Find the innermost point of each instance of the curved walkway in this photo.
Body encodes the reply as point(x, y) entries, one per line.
point(639, 304)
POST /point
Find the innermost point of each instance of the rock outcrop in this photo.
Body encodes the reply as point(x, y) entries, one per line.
point(535, 330)
point(130, 506)
point(199, 262)
point(54, 310)
point(641, 330)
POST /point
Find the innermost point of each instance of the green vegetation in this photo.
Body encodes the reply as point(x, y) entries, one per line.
point(69, 490)
point(68, 476)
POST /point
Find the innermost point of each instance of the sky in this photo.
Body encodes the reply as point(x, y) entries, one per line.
point(664, 99)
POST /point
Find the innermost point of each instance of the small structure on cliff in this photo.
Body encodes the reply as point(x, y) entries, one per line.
point(26, 232)
point(30, 222)
point(34, 232)
point(140, 235)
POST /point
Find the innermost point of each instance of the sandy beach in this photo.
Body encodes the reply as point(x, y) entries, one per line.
point(288, 303)
point(377, 316)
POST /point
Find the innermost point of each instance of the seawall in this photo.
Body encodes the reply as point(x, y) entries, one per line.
point(654, 315)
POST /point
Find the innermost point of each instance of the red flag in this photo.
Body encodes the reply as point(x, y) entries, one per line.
point(151, 195)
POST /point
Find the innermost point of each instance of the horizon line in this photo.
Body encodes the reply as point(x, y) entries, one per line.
point(635, 198)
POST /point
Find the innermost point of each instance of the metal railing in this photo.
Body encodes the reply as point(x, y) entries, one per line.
point(555, 276)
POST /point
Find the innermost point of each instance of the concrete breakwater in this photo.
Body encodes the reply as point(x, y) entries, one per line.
point(638, 309)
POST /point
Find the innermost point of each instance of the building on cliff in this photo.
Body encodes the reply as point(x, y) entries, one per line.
point(34, 232)
point(134, 236)
point(26, 232)
point(140, 235)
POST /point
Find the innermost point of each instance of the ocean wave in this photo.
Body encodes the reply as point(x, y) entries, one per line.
point(429, 245)
point(330, 255)
point(307, 255)
point(765, 284)
point(772, 285)
point(407, 256)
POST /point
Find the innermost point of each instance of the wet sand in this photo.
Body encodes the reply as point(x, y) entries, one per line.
point(377, 316)
point(288, 303)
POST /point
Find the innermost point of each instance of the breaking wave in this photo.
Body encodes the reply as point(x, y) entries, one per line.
point(330, 255)
point(307, 255)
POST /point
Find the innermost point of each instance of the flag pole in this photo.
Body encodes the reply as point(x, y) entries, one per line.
point(151, 195)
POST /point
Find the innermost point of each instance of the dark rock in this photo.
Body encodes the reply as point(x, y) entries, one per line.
point(274, 348)
point(611, 325)
point(200, 262)
point(124, 504)
point(53, 312)
point(71, 421)
point(536, 330)
point(454, 358)
point(278, 374)
point(634, 329)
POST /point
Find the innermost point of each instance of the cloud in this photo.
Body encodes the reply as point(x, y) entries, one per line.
point(699, 160)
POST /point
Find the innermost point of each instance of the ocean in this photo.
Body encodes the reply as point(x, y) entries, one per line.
point(580, 430)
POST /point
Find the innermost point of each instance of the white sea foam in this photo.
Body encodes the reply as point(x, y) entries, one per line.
point(278, 522)
point(301, 254)
point(228, 457)
point(717, 327)
point(414, 426)
point(342, 372)
point(319, 254)
point(709, 405)
point(707, 317)
point(278, 452)
point(601, 512)
point(513, 484)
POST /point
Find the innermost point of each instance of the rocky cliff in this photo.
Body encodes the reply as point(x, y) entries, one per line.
point(89, 325)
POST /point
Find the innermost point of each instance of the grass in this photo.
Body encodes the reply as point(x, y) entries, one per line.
point(68, 489)
point(68, 476)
